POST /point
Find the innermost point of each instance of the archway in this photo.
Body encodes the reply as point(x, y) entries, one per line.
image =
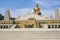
point(40, 26)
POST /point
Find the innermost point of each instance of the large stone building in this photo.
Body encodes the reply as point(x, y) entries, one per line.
point(33, 26)
point(32, 20)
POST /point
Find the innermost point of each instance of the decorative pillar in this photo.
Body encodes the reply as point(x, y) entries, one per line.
point(5, 26)
point(2, 27)
point(54, 26)
point(57, 26)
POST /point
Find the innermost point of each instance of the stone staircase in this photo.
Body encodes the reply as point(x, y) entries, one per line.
point(12, 27)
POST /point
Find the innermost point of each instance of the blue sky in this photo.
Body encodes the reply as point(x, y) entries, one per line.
point(24, 7)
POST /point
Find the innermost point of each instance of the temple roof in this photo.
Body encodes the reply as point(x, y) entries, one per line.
point(37, 17)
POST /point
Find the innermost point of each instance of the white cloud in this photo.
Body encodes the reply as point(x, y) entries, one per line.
point(17, 12)
point(47, 13)
point(25, 11)
point(20, 12)
point(47, 3)
point(2, 11)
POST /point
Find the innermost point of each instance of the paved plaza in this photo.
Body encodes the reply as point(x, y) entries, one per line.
point(30, 35)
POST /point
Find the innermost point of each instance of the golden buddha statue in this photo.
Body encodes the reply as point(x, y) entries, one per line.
point(36, 9)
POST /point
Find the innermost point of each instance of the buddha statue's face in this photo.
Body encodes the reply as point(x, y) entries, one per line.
point(36, 9)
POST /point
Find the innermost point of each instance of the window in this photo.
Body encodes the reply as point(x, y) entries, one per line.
point(1, 27)
point(49, 26)
point(58, 26)
point(52, 22)
point(4, 26)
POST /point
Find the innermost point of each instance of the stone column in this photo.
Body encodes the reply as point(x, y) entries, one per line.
point(57, 26)
point(54, 26)
point(5, 27)
point(2, 27)
point(51, 26)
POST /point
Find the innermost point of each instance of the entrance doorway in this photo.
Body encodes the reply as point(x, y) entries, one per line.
point(29, 26)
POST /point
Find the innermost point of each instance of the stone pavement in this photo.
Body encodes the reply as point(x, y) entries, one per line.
point(30, 35)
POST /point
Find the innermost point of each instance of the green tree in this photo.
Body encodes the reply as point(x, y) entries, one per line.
point(1, 17)
point(12, 18)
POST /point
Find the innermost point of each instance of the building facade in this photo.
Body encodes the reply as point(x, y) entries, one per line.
point(33, 20)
